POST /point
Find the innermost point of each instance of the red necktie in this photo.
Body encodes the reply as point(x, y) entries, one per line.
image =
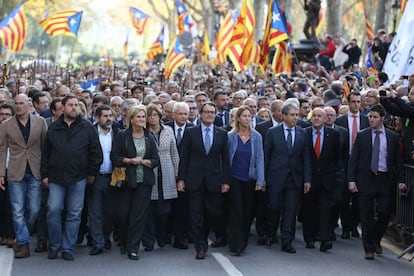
point(317, 147)
point(354, 128)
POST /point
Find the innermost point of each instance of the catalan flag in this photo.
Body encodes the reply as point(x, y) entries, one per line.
point(157, 47)
point(224, 35)
point(205, 45)
point(251, 53)
point(174, 59)
point(282, 60)
point(275, 32)
point(13, 29)
point(242, 34)
point(139, 20)
point(181, 13)
point(63, 22)
point(369, 31)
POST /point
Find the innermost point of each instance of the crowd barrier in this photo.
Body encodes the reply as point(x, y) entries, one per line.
point(405, 210)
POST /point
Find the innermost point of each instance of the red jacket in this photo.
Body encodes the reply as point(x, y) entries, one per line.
point(329, 51)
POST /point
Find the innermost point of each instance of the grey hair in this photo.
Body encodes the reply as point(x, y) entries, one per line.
point(181, 104)
point(287, 106)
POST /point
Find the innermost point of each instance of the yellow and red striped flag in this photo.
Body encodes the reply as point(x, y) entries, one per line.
point(139, 20)
point(174, 59)
point(58, 23)
point(125, 48)
point(224, 34)
point(282, 60)
point(275, 32)
point(13, 29)
point(242, 34)
point(157, 47)
point(369, 31)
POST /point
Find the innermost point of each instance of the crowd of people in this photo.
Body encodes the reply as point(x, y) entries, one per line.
point(209, 151)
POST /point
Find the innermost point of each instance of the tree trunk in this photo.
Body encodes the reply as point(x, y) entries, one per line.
point(380, 17)
point(259, 15)
point(334, 18)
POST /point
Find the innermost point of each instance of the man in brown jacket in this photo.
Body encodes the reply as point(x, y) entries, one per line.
point(23, 135)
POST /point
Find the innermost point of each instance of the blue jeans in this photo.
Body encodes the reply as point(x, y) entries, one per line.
point(25, 196)
point(71, 198)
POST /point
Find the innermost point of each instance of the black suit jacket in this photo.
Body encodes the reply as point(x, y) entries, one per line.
point(359, 169)
point(325, 168)
point(263, 127)
point(196, 166)
point(187, 125)
point(279, 161)
point(218, 121)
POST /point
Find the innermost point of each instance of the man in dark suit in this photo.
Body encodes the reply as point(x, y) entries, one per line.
point(287, 172)
point(180, 206)
point(375, 166)
point(340, 181)
point(221, 102)
point(262, 196)
point(353, 121)
point(204, 173)
point(317, 204)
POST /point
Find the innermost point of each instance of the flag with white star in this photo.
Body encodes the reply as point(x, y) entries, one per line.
point(139, 20)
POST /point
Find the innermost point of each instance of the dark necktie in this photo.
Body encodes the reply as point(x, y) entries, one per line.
point(289, 139)
point(179, 135)
point(375, 152)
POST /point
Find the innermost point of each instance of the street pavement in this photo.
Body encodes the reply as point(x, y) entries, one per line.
point(346, 258)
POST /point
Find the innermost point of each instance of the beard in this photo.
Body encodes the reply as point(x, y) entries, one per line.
point(72, 115)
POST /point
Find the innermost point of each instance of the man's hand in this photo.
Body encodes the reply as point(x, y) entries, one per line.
point(306, 187)
point(180, 186)
point(402, 187)
point(90, 179)
point(352, 187)
point(2, 183)
point(225, 188)
point(45, 181)
point(259, 188)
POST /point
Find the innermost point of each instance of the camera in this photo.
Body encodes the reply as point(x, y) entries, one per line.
point(383, 93)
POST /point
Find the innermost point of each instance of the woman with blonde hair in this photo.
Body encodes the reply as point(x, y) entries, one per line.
point(165, 188)
point(136, 150)
point(247, 175)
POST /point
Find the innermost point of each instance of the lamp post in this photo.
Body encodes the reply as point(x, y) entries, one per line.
point(395, 9)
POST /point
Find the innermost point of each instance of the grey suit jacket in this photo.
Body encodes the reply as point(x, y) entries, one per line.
point(21, 153)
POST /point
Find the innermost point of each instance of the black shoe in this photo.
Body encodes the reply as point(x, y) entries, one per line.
point(148, 248)
point(41, 247)
point(325, 246)
point(67, 256)
point(133, 256)
point(236, 252)
point(268, 241)
point(96, 251)
point(51, 254)
point(219, 243)
point(310, 245)
point(355, 233)
point(161, 242)
point(345, 235)
point(180, 244)
point(261, 240)
point(80, 238)
point(288, 248)
point(108, 245)
point(378, 249)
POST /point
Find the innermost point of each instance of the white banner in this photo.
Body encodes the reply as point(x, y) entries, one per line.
point(400, 57)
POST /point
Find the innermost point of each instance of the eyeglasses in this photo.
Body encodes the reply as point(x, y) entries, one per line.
point(6, 114)
point(238, 98)
point(193, 108)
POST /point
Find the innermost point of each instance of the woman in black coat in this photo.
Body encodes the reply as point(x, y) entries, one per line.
point(136, 150)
